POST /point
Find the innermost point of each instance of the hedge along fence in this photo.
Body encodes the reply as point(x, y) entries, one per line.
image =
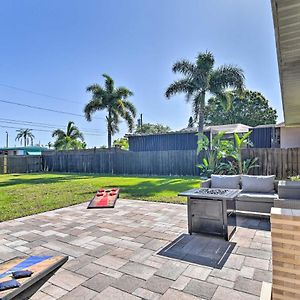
point(281, 162)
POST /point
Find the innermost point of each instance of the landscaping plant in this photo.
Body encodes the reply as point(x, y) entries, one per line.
point(224, 156)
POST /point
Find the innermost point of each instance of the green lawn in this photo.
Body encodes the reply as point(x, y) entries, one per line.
point(26, 194)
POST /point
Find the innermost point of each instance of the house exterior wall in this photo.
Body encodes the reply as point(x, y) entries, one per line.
point(261, 137)
point(289, 137)
point(12, 152)
point(164, 142)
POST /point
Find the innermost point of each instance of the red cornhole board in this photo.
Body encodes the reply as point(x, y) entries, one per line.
point(105, 198)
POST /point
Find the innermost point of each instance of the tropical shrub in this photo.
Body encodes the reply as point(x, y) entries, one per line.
point(224, 156)
point(121, 143)
point(295, 178)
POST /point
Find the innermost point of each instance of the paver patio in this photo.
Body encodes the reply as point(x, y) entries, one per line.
point(113, 254)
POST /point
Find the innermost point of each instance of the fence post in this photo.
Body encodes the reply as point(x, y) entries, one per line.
point(5, 164)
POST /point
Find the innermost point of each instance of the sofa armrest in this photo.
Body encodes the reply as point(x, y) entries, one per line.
point(206, 183)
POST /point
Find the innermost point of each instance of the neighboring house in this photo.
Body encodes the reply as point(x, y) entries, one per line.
point(30, 150)
point(265, 136)
point(275, 136)
point(185, 139)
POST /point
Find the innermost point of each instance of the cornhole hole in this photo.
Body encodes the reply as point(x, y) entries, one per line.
point(105, 198)
point(38, 266)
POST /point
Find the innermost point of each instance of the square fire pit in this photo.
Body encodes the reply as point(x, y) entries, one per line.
point(211, 211)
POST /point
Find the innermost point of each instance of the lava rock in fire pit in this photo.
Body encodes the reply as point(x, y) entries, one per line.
point(212, 191)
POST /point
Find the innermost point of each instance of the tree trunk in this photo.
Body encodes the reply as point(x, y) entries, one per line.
point(201, 114)
point(109, 138)
point(201, 122)
point(109, 130)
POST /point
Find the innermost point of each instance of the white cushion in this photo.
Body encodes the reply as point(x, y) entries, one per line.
point(258, 184)
point(225, 181)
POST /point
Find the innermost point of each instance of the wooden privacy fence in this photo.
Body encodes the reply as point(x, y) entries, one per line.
point(176, 162)
point(281, 162)
point(20, 164)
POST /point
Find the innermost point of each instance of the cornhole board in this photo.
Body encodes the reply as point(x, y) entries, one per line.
point(105, 198)
point(41, 266)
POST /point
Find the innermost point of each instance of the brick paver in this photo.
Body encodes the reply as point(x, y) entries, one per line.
point(112, 254)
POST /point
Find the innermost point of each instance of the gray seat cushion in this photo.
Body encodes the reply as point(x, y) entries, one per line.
point(258, 184)
point(225, 181)
point(257, 197)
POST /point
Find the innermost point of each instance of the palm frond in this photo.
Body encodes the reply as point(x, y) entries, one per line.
point(226, 76)
point(184, 67)
point(129, 120)
point(75, 133)
point(123, 93)
point(70, 127)
point(58, 133)
point(179, 86)
point(130, 107)
point(93, 88)
point(109, 83)
point(93, 106)
point(225, 99)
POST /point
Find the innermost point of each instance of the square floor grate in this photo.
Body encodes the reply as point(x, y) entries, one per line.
point(199, 249)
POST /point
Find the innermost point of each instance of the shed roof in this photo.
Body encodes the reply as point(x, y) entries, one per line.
point(228, 128)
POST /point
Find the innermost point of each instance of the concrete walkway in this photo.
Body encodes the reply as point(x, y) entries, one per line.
point(113, 254)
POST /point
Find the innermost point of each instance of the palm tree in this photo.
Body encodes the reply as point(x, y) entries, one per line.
point(71, 139)
point(25, 134)
point(115, 102)
point(201, 78)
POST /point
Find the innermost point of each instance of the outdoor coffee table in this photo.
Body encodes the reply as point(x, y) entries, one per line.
point(211, 211)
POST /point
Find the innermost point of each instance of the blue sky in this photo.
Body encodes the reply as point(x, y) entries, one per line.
point(58, 47)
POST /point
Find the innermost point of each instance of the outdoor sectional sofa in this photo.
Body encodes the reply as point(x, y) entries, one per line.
point(257, 192)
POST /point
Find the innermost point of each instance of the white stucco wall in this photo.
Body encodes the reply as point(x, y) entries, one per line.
point(16, 152)
point(289, 137)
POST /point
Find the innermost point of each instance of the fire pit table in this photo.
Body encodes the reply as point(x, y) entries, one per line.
point(211, 211)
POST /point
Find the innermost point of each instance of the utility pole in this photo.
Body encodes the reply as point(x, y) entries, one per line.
point(140, 122)
point(6, 139)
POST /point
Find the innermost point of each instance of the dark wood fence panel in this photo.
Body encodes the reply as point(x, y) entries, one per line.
point(20, 164)
point(77, 161)
point(174, 162)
